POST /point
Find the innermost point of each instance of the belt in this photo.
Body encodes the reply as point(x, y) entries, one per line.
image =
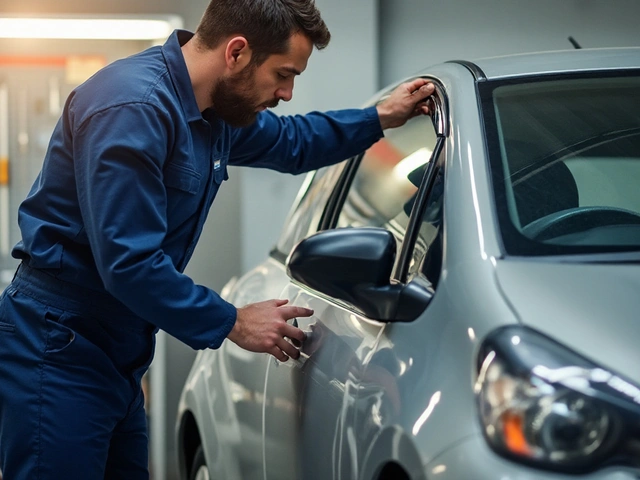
point(68, 296)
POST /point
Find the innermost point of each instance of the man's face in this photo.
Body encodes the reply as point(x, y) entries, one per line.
point(237, 99)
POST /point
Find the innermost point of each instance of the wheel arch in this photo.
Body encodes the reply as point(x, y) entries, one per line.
point(391, 455)
point(189, 441)
point(391, 471)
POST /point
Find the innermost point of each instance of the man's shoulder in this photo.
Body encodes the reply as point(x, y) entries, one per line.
point(142, 78)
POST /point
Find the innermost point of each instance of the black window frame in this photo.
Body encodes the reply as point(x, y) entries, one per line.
point(333, 209)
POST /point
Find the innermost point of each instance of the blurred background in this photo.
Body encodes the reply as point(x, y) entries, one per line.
point(375, 43)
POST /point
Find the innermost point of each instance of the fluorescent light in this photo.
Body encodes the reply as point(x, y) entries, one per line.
point(101, 28)
point(411, 162)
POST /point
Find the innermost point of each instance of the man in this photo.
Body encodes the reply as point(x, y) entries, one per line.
point(112, 220)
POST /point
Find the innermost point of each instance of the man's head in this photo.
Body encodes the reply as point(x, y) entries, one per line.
point(276, 36)
point(266, 24)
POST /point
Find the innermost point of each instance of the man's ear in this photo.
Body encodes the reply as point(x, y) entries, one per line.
point(237, 54)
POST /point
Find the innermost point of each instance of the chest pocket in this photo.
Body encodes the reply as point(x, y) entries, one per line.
point(182, 178)
point(184, 193)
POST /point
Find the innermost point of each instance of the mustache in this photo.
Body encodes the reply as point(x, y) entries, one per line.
point(272, 104)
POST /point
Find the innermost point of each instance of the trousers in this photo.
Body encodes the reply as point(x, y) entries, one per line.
point(71, 365)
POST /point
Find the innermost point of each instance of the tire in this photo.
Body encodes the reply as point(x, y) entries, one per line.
point(199, 470)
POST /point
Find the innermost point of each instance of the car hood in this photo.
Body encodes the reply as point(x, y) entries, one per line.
point(592, 308)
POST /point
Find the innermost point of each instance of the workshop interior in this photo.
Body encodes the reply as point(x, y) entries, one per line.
point(48, 48)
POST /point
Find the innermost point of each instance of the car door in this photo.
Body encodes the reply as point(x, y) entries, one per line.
point(236, 383)
point(307, 401)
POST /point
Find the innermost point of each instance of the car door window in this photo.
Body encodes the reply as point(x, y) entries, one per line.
point(387, 179)
point(305, 216)
point(426, 257)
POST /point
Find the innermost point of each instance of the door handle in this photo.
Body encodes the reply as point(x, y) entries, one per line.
point(296, 343)
point(307, 335)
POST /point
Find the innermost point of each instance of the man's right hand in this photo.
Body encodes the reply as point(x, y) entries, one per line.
point(262, 327)
point(406, 101)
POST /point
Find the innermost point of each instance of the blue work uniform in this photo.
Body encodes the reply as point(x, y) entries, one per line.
point(131, 171)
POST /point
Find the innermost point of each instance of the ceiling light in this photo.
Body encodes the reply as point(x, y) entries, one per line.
point(148, 27)
point(411, 162)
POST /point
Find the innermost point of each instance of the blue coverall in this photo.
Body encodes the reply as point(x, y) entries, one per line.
point(107, 230)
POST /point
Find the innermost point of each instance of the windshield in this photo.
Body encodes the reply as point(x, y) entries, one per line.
point(565, 159)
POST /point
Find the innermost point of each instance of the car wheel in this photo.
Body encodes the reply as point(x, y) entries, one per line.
point(199, 470)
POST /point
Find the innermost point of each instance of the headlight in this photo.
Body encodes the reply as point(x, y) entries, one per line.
point(545, 405)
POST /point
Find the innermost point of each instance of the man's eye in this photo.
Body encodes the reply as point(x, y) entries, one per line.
point(283, 76)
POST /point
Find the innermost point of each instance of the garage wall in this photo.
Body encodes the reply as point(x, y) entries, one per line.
point(251, 207)
point(341, 76)
point(249, 211)
point(417, 33)
point(217, 257)
point(410, 34)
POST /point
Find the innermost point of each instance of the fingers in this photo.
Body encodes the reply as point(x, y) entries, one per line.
point(419, 91)
point(419, 86)
point(263, 327)
point(424, 91)
point(279, 354)
point(421, 109)
point(288, 348)
point(283, 349)
point(405, 102)
point(294, 333)
point(293, 311)
point(416, 84)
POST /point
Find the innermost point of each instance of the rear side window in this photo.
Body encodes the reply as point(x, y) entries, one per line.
point(312, 198)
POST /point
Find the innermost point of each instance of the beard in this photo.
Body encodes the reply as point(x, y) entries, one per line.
point(235, 99)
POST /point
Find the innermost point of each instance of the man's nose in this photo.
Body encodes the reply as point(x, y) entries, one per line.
point(285, 94)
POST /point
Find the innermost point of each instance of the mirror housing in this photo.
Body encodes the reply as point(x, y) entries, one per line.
point(355, 265)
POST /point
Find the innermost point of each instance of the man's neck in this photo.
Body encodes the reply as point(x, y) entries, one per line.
point(203, 70)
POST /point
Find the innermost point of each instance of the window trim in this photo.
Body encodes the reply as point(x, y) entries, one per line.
point(338, 196)
point(442, 126)
point(436, 163)
point(333, 208)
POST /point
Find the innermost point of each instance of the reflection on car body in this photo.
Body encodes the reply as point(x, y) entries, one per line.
point(474, 282)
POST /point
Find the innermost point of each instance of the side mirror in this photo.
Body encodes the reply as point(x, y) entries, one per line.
point(355, 265)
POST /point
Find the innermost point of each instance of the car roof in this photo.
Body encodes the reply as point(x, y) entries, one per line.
point(562, 61)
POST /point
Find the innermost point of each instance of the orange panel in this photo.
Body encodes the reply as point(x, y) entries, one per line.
point(32, 61)
point(4, 171)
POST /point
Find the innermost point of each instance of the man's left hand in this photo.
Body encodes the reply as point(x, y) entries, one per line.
point(405, 102)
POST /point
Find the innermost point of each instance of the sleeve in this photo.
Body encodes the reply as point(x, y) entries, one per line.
point(298, 144)
point(118, 158)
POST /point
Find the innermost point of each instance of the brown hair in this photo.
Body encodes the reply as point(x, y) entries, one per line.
point(266, 24)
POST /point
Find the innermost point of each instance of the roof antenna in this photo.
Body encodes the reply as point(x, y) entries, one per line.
point(575, 44)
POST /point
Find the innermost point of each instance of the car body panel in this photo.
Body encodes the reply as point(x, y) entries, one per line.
point(375, 388)
point(366, 394)
point(469, 198)
point(225, 387)
point(472, 458)
point(544, 63)
point(315, 390)
point(564, 301)
point(420, 405)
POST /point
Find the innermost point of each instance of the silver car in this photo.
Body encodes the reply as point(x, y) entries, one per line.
point(475, 278)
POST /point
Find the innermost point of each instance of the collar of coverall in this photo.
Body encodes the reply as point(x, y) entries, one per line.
point(179, 74)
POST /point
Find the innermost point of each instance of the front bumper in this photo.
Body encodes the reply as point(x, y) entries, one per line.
point(473, 459)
